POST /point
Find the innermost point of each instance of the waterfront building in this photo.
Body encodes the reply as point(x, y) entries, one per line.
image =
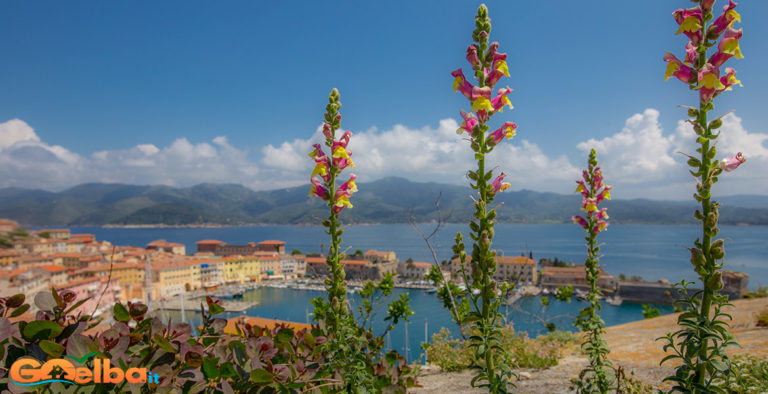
point(58, 233)
point(553, 277)
point(168, 247)
point(415, 270)
point(379, 264)
point(517, 269)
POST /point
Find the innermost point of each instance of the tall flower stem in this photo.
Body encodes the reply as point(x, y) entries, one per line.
point(595, 377)
point(703, 335)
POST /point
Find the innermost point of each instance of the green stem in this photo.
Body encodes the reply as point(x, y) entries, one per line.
point(706, 301)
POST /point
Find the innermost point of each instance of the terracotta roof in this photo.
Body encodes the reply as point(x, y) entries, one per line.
point(70, 254)
point(522, 260)
point(11, 273)
point(377, 253)
point(209, 242)
point(421, 264)
point(271, 242)
point(53, 268)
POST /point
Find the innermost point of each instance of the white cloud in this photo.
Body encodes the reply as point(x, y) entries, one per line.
point(641, 161)
point(428, 154)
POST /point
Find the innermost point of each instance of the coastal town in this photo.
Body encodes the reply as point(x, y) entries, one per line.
point(164, 273)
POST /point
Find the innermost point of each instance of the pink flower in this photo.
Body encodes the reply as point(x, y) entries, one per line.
point(588, 204)
point(318, 189)
point(728, 80)
point(725, 20)
point(505, 131)
point(691, 53)
point(342, 201)
point(580, 221)
point(728, 47)
point(678, 69)
point(498, 185)
point(602, 214)
point(604, 195)
point(731, 163)
point(327, 131)
point(347, 188)
point(343, 141)
point(469, 123)
point(706, 5)
point(690, 23)
point(601, 226)
point(581, 188)
point(501, 99)
point(709, 82)
point(461, 84)
point(317, 154)
point(472, 56)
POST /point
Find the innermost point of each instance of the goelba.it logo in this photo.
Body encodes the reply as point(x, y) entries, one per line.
point(30, 372)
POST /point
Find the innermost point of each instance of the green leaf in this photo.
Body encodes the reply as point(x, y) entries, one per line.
point(719, 364)
point(41, 329)
point(211, 367)
point(164, 344)
point(261, 377)
point(18, 311)
point(215, 309)
point(51, 348)
point(121, 314)
point(15, 301)
point(228, 371)
point(285, 335)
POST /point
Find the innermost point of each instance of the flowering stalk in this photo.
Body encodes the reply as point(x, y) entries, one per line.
point(704, 334)
point(595, 377)
point(489, 66)
point(323, 180)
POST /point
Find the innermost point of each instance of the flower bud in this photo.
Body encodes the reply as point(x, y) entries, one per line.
point(697, 258)
point(711, 219)
point(693, 112)
point(715, 282)
point(715, 124)
point(716, 250)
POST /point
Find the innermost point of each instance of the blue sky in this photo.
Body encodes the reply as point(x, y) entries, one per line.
point(107, 77)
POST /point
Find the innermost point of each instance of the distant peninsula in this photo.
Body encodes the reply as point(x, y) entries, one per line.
point(388, 200)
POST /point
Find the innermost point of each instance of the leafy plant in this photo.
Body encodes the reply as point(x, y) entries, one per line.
point(596, 377)
point(749, 375)
point(478, 305)
point(354, 353)
point(650, 312)
point(699, 344)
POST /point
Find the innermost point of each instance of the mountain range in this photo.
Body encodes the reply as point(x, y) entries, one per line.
point(388, 200)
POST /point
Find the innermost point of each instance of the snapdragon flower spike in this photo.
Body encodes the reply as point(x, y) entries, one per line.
point(690, 21)
point(498, 185)
point(732, 162)
point(678, 69)
point(727, 48)
point(725, 20)
point(505, 131)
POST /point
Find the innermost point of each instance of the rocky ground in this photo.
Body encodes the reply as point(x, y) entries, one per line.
point(633, 346)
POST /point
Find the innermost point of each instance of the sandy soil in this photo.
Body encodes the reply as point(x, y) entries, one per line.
point(633, 346)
